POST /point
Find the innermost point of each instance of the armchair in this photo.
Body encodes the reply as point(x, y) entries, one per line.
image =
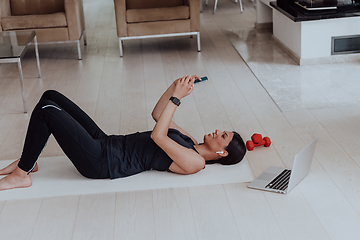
point(52, 20)
point(156, 18)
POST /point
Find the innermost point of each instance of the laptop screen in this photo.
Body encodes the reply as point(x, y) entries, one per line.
point(302, 164)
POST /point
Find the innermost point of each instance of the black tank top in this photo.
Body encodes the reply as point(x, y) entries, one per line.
point(134, 153)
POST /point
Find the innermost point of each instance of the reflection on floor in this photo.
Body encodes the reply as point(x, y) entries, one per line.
point(294, 87)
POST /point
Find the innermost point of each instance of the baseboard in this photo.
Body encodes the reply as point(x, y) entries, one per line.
point(268, 25)
point(344, 58)
point(287, 50)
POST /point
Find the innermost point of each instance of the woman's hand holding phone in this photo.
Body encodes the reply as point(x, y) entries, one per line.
point(203, 79)
point(184, 86)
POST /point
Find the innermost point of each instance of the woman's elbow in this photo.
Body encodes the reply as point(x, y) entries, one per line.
point(194, 168)
point(156, 137)
point(153, 135)
point(155, 115)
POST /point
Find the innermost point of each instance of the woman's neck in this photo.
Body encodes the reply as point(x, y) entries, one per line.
point(206, 153)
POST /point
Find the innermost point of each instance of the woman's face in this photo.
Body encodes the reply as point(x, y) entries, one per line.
point(218, 140)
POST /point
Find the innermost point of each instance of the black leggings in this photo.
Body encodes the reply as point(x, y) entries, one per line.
point(76, 133)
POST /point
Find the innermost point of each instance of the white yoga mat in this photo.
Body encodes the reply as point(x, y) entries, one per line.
point(58, 177)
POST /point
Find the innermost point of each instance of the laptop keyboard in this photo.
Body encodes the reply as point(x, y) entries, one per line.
point(281, 182)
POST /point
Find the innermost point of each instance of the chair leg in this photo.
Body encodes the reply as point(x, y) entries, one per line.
point(120, 46)
point(37, 56)
point(215, 5)
point(206, 2)
point(241, 6)
point(198, 41)
point(22, 86)
point(79, 49)
point(84, 38)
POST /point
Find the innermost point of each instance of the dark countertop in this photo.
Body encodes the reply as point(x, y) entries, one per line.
point(298, 14)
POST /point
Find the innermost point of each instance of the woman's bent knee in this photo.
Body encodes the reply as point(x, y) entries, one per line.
point(43, 104)
point(49, 95)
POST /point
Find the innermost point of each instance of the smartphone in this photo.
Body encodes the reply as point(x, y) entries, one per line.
point(203, 79)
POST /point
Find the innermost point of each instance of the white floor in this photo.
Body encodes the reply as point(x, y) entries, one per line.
point(295, 88)
point(120, 93)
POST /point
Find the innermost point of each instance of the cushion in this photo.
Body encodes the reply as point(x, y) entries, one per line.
point(34, 21)
point(159, 27)
point(157, 14)
point(137, 4)
point(29, 7)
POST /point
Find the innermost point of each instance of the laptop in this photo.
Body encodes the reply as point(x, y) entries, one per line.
point(282, 180)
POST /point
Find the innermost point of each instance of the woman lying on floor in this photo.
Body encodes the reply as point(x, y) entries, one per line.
point(98, 156)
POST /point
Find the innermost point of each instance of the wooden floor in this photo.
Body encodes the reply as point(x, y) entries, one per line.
point(119, 93)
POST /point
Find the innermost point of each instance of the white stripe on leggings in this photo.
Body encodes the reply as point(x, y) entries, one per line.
point(51, 106)
point(38, 157)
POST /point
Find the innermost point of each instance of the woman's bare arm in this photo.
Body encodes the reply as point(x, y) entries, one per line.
point(186, 159)
point(161, 104)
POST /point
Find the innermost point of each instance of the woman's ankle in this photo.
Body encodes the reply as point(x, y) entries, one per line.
point(35, 169)
point(10, 168)
point(20, 173)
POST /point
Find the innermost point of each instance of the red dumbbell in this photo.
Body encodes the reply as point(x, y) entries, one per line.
point(257, 140)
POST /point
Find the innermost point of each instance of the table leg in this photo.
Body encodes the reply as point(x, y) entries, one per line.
point(37, 56)
point(120, 47)
point(79, 49)
point(215, 5)
point(198, 41)
point(22, 86)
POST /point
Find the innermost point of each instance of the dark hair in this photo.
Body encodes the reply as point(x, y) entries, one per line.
point(236, 152)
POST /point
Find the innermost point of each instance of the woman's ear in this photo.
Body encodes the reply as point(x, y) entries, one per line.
point(222, 153)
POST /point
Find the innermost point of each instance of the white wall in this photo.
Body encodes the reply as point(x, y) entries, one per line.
point(316, 35)
point(287, 32)
point(263, 11)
